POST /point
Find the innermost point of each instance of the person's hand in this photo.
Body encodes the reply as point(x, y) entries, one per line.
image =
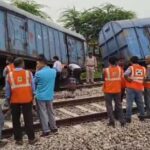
point(129, 80)
point(7, 103)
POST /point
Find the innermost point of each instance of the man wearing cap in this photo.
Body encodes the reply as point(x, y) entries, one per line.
point(91, 66)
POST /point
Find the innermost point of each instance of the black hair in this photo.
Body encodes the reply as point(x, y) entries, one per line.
point(41, 58)
point(113, 60)
point(134, 59)
point(56, 57)
point(10, 59)
point(18, 62)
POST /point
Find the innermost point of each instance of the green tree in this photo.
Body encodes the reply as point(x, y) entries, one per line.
point(89, 22)
point(71, 19)
point(30, 6)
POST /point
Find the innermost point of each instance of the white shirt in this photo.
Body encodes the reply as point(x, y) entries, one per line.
point(58, 66)
point(74, 66)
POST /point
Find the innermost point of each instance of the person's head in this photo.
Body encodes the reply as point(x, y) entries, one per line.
point(9, 60)
point(90, 54)
point(41, 62)
point(134, 60)
point(19, 63)
point(113, 60)
point(55, 58)
point(121, 62)
point(147, 60)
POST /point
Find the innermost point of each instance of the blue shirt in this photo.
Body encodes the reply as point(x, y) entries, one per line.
point(8, 88)
point(44, 82)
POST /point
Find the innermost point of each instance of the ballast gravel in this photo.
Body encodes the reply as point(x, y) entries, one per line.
point(93, 136)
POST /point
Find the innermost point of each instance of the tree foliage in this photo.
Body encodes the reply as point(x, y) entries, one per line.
point(89, 22)
point(31, 6)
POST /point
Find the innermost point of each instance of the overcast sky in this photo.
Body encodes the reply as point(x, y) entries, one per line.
point(55, 7)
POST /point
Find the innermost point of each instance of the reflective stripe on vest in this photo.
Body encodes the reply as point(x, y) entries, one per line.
point(14, 86)
point(108, 78)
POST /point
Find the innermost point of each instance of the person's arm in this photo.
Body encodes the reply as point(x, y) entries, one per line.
point(7, 90)
point(32, 82)
point(127, 75)
point(5, 72)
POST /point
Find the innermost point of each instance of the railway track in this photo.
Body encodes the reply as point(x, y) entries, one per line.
point(72, 112)
point(83, 86)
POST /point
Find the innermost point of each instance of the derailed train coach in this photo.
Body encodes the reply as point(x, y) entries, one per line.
point(23, 34)
point(125, 39)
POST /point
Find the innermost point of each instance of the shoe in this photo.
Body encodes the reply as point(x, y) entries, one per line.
point(19, 142)
point(32, 142)
point(3, 143)
point(141, 118)
point(44, 134)
point(112, 124)
point(54, 131)
point(128, 120)
point(122, 124)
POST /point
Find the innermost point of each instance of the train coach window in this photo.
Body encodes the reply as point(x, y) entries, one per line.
point(3, 32)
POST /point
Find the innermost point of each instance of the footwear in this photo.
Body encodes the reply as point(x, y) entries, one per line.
point(141, 118)
point(128, 120)
point(32, 142)
point(54, 131)
point(44, 134)
point(122, 124)
point(3, 143)
point(112, 124)
point(19, 142)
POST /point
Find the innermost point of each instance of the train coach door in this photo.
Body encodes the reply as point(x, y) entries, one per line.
point(72, 52)
point(16, 34)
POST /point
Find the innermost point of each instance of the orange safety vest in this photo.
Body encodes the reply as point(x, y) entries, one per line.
point(10, 68)
point(138, 73)
point(112, 79)
point(147, 83)
point(21, 89)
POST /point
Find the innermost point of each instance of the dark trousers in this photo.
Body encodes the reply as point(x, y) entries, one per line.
point(76, 74)
point(26, 109)
point(118, 106)
point(57, 81)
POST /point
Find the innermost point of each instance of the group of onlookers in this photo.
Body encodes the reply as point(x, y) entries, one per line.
point(134, 80)
point(22, 91)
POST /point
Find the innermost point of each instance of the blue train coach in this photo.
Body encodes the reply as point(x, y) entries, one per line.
point(23, 34)
point(125, 39)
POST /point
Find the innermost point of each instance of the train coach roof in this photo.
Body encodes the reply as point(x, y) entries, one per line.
point(39, 19)
point(132, 23)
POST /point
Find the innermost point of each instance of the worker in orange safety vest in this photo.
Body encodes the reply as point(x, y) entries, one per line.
point(9, 67)
point(147, 87)
point(19, 91)
point(135, 76)
point(112, 90)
